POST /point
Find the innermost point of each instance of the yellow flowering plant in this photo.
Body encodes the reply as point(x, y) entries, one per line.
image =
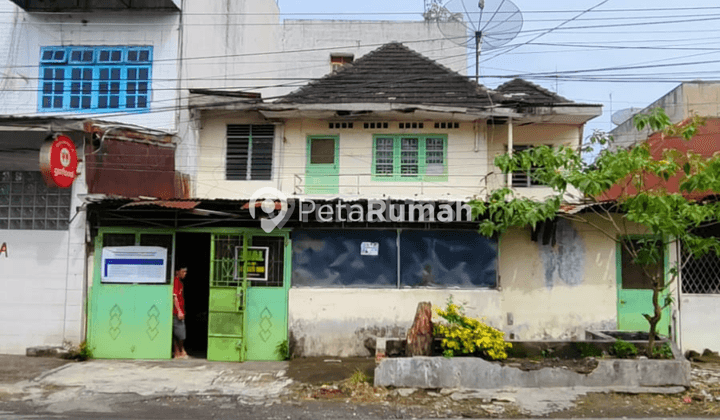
point(464, 335)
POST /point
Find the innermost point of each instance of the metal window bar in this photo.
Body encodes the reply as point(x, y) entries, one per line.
point(224, 262)
point(409, 156)
point(384, 156)
point(700, 275)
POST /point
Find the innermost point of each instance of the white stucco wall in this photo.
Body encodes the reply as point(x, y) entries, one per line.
point(42, 286)
point(24, 34)
point(308, 44)
point(544, 292)
point(698, 322)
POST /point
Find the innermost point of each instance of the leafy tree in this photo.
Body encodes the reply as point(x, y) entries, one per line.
point(667, 216)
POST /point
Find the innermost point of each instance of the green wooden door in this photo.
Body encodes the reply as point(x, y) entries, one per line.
point(247, 317)
point(322, 169)
point(130, 321)
point(635, 295)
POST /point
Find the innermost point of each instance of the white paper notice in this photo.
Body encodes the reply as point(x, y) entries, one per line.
point(134, 264)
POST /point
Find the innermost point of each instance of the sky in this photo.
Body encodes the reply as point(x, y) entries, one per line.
point(618, 53)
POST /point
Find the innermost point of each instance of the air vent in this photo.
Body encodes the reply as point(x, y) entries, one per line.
point(447, 125)
point(340, 125)
point(375, 125)
point(415, 124)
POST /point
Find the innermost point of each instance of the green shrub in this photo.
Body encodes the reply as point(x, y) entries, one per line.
point(359, 377)
point(623, 349)
point(81, 353)
point(465, 335)
point(588, 350)
point(283, 350)
point(662, 352)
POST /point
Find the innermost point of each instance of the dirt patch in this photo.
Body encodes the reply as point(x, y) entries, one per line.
point(326, 370)
point(16, 368)
point(583, 366)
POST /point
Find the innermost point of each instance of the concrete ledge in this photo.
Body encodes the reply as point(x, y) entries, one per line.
point(476, 373)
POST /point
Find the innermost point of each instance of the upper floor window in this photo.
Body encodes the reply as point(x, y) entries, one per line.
point(524, 179)
point(95, 78)
point(27, 203)
point(249, 151)
point(410, 157)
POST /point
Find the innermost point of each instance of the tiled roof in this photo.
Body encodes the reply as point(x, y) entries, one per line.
point(394, 73)
point(522, 92)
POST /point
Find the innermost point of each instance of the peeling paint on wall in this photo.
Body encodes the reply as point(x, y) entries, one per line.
point(566, 260)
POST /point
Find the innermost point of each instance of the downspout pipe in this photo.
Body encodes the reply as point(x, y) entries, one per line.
point(510, 148)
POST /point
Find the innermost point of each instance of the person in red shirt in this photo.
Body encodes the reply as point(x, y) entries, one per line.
point(179, 332)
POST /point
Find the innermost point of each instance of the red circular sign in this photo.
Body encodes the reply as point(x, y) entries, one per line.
point(58, 162)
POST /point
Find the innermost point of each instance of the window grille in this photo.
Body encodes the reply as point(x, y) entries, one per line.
point(95, 78)
point(524, 179)
point(700, 275)
point(27, 203)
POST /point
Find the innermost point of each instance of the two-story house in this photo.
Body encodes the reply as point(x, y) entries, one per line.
point(366, 173)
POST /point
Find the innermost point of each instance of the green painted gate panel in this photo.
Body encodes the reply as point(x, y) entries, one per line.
point(267, 318)
point(322, 170)
point(128, 321)
point(131, 322)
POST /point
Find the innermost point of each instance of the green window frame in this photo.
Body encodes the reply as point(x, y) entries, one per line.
point(409, 157)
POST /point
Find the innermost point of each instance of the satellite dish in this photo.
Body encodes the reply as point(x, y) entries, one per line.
point(623, 115)
point(490, 23)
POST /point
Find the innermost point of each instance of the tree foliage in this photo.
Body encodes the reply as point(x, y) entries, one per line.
point(667, 215)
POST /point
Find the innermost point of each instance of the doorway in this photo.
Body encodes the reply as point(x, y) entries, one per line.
point(193, 251)
point(635, 291)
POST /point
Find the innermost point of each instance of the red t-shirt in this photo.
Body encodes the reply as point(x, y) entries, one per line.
point(178, 293)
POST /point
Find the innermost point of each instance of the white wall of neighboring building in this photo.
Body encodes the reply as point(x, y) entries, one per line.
point(25, 33)
point(308, 44)
point(43, 283)
point(701, 98)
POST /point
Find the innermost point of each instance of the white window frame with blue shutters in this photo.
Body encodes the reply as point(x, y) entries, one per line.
point(95, 79)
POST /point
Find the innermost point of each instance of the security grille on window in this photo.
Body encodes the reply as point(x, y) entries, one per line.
point(27, 203)
point(524, 179)
point(409, 157)
point(701, 275)
point(249, 152)
point(95, 78)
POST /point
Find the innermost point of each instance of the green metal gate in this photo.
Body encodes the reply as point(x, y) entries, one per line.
point(247, 310)
point(128, 320)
